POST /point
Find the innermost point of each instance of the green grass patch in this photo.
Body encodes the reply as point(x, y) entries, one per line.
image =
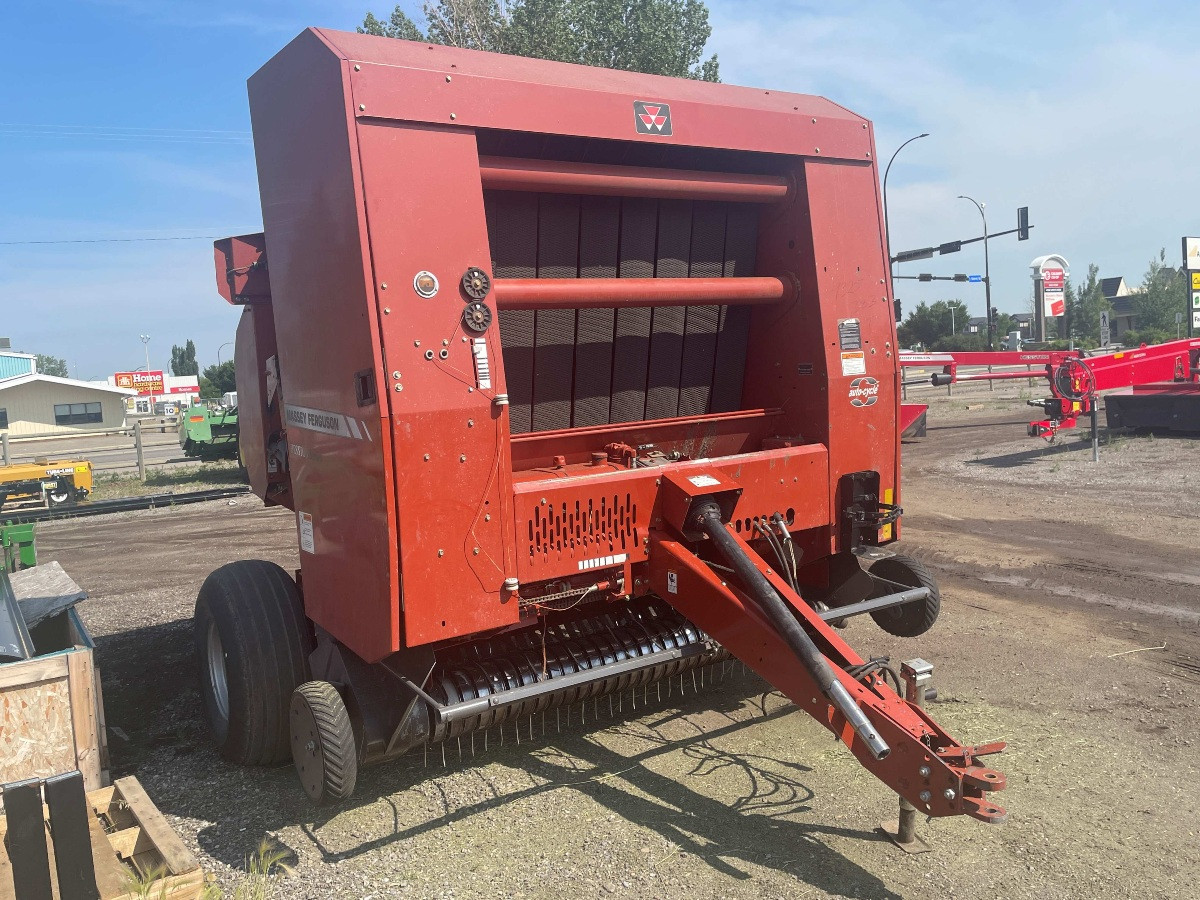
point(112, 486)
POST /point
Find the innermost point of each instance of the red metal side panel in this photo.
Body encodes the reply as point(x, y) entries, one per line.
point(568, 525)
point(326, 331)
point(832, 241)
point(453, 468)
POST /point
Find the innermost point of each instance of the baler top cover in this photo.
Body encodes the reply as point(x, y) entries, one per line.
point(507, 295)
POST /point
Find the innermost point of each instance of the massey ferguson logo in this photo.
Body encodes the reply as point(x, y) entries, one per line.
point(864, 391)
point(652, 118)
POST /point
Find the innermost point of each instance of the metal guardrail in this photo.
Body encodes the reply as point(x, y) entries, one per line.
point(162, 423)
point(137, 430)
point(123, 504)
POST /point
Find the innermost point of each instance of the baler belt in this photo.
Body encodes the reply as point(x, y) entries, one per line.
point(572, 368)
point(512, 221)
point(554, 332)
point(666, 334)
point(599, 234)
point(631, 341)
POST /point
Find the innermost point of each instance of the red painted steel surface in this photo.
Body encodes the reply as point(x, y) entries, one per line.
point(502, 174)
point(405, 81)
point(567, 519)
point(431, 466)
point(610, 293)
point(326, 324)
point(369, 154)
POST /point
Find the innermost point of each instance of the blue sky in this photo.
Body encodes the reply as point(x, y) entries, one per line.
point(128, 119)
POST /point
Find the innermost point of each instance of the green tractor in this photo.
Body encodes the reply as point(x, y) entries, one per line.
point(210, 432)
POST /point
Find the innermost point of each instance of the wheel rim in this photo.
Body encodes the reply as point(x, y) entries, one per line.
point(307, 752)
point(217, 680)
point(59, 497)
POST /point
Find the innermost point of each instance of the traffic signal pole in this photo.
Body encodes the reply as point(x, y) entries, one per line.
point(987, 275)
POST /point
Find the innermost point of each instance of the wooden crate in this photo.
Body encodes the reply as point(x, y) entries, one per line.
point(52, 713)
point(135, 850)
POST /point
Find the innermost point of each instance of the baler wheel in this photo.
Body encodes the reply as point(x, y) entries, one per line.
point(914, 618)
point(253, 644)
point(323, 743)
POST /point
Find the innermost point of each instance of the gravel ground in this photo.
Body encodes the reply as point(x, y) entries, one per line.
point(724, 790)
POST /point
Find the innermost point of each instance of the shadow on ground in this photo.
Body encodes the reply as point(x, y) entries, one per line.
point(166, 744)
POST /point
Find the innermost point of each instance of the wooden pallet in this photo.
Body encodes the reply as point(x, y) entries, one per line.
point(132, 845)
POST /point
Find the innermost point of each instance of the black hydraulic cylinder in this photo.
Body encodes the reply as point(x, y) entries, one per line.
point(706, 517)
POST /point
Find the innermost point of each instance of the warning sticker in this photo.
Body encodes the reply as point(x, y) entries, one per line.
point(703, 481)
point(672, 583)
point(854, 362)
point(308, 542)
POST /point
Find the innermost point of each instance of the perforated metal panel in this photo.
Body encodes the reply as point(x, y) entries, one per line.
point(570, 368)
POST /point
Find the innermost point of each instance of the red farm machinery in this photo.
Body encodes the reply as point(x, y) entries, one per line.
point(575, 379)
point(1152, 386)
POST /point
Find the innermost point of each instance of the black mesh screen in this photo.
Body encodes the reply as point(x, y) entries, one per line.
point(569, 368)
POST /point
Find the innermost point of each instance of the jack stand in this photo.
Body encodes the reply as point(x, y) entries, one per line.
point(903, 831)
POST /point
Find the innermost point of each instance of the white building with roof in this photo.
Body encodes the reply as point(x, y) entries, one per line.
point(43, 404)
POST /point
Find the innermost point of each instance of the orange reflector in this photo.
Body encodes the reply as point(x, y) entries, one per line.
point(195, 418)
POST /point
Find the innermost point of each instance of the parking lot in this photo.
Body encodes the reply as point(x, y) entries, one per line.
point(1056, 574)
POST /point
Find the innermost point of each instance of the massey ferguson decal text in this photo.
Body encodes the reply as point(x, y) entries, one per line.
point(652, 118)
point(864, 391)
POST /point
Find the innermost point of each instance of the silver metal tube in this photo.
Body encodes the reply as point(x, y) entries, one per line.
point(840, 697)
point(873, 604)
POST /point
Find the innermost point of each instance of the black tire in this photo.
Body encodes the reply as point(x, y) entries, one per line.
point(911, 619)
point(252, 636)
point(322, 740)
point(63, 494)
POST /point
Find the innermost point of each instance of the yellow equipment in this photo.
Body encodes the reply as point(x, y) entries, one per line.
point(59, 482)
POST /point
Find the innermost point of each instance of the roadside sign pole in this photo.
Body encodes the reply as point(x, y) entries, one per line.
point(1095, 434)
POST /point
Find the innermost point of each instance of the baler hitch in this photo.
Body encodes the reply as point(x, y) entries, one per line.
point(740, 601)
point(708, 519)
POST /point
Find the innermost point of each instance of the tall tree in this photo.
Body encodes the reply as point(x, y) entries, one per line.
point(218, 380)
point(660, 37)
point(1087, 302)
point(929, 323)
point(183, 359)
point(1162, 295)
point(52, 365)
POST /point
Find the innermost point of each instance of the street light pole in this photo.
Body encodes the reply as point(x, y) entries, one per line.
point(146, 344)
point(987, 273)
point(219, 349)
point(886, 227)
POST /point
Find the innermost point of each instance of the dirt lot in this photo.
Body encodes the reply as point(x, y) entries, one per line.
point(1052, 569)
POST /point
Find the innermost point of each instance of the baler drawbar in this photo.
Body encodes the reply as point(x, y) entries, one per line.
point(577, 382)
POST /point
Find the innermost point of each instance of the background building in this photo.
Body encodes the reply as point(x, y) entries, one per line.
point(42, 404)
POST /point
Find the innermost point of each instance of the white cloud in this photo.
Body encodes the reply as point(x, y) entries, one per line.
point(1078, 112)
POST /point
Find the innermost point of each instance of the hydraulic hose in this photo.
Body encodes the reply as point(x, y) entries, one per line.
point(707, 518)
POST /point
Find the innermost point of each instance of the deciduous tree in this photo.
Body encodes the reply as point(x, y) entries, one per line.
point(661, 37)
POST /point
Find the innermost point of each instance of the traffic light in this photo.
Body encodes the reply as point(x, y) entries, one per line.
point(1023, 223)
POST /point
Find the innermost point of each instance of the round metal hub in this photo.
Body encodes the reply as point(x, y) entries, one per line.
point(306, 747)
point(217, 679)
